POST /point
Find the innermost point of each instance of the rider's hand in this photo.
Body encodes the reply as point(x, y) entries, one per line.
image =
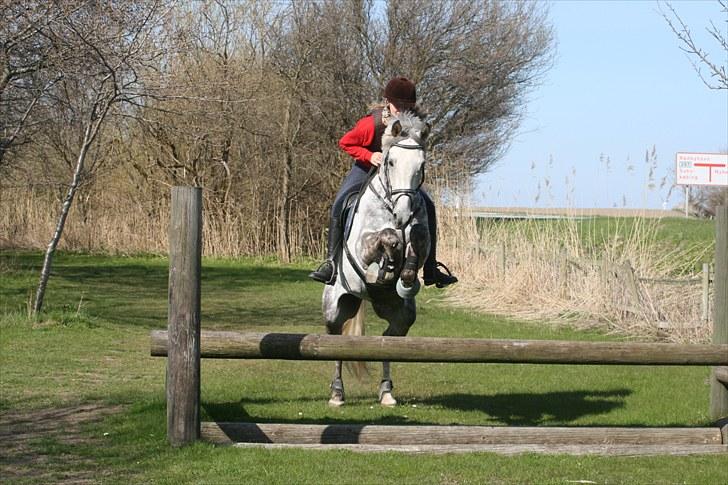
point(376, 159)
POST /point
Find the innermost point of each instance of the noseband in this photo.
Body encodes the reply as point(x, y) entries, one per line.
point(391, 196)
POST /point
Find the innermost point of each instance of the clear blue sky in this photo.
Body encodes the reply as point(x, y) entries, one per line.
point(619, 86)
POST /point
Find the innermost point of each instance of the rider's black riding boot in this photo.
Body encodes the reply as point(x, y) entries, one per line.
point(326, 272)
point(432, 274)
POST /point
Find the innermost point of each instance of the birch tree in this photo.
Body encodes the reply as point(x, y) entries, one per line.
point(111, 45)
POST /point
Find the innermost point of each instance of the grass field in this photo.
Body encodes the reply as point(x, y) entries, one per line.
point(81, 401)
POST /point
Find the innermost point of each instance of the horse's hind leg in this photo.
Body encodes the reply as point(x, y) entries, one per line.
point(385, 387)
point(400, 318)
point(337, 387)
point(336, 312)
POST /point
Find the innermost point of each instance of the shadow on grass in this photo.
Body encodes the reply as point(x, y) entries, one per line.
point(134, 292)
point(515, 409)
point(532, 409)
point(235, 412)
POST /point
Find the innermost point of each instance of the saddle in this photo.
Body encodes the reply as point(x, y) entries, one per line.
point(383, 251)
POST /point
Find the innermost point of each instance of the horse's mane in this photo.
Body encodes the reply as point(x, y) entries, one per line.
point(412, 122)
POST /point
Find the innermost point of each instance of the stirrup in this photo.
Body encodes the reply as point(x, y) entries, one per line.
point(437, 277)
point(318, 276)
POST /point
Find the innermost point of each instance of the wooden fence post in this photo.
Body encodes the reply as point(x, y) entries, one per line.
point(634, 292)
point(604, 272)
point(718, 390)
point(183, 361)
point(502, 260)
point(563, 273)
point(705, 307)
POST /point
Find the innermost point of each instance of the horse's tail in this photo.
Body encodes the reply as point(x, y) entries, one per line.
point(355, 326)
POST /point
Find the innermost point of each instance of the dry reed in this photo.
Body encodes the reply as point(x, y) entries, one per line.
point(119, 224)
point(554, 272)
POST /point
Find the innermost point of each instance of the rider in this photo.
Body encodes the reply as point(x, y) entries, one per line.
point(364, 144)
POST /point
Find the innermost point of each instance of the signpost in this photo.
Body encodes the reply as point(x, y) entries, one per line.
point(700, 169)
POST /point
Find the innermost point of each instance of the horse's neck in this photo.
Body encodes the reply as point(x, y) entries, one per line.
point(372, 214)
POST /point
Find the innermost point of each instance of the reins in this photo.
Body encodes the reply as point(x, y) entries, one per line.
point(389, 200)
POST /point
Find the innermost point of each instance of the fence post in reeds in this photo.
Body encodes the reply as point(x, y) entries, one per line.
point(604, 272)
point(183, 362)
point(631, 282)
point(718, 389)
point(563, 272)
point(502, 260)
point(705, 315)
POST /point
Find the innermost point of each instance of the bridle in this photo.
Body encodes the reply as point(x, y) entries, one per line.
point(391, 196)
point(388, 199)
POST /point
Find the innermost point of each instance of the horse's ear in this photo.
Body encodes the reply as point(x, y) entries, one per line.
point(396, 128)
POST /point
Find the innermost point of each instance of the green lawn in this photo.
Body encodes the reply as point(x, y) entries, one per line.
point(91, 353)
point(686, 243)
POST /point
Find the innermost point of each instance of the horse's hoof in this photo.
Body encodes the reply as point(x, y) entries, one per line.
point(385, 394)
point(336, 402)
point(372, 273)
point(387, 400)
point(337, 396)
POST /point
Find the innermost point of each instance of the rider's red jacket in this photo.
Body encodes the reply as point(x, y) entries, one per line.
point(362, 140)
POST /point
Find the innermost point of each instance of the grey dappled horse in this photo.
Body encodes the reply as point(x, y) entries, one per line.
point(386, 246)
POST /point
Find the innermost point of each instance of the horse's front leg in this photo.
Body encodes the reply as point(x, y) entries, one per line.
point(415, 255)
point(337, 309)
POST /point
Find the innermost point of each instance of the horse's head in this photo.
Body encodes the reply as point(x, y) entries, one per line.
point(403, 168)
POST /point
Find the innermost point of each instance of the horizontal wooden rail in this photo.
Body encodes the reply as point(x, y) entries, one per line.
point(231, 432)
point(288, 346)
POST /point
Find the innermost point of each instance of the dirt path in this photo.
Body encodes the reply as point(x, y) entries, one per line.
point(21, 457)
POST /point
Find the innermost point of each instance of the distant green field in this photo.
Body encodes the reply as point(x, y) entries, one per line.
point(690, 240)
point(92, 349)
point(676, 230)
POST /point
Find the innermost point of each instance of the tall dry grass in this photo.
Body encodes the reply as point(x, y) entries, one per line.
point(121, 224)
point(534, 285)
point(558, 272)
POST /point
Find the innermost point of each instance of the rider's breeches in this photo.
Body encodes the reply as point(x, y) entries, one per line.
point(354, 182)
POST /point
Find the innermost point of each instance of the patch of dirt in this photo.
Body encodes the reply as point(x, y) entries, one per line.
point(21, 431)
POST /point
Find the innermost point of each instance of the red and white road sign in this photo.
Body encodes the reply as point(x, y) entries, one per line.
point(701, 169)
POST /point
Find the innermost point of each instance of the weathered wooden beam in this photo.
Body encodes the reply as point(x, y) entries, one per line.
point(183, 364)
point(718, 391)
point(508, 450)
point(227, 433)
point(288, 346)
point(721, 374)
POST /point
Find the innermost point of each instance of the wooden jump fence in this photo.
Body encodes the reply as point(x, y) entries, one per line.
point(184, 345)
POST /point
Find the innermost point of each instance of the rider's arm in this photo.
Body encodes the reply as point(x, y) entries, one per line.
point(359, 137)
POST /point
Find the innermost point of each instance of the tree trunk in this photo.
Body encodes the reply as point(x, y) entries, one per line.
point(284, 223)
point(284, 242)
point(90, 133)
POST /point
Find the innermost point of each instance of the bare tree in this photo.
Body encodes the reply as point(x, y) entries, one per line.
point(704, 200)
point(249, 98)
point(717, 76)
point(474, 61)
point(110, 44)
point(28, 68)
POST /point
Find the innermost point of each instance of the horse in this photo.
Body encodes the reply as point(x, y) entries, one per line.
point(386, 245)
